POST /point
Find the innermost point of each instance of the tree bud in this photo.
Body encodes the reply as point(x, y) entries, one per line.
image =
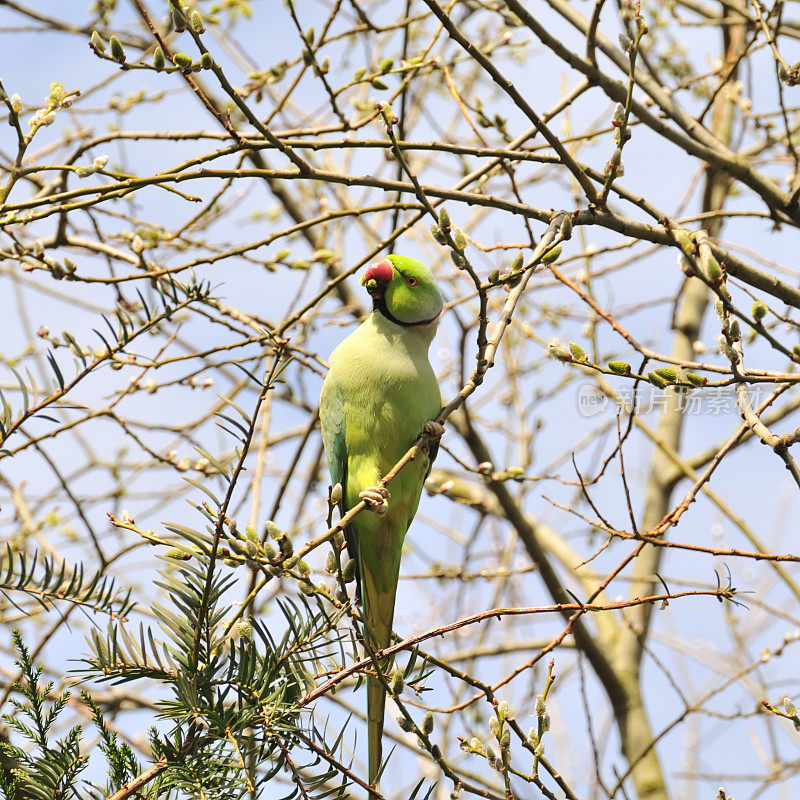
point(117, 50)
point(97, 42)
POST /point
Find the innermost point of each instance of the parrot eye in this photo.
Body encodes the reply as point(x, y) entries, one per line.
point(411, 281)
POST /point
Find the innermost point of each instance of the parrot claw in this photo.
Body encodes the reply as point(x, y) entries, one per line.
point(433, 429)
point(375, 497)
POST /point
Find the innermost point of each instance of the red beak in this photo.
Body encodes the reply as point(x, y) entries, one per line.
point(381, 272)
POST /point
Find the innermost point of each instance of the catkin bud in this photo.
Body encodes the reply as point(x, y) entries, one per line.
point(197, 22)
point(117, 50)
point(494, 726)
point(268, 550)
point(734, 330)
point(759, 310)
point(405, 724)
point(545, 722)
point(244, 627)
point(206, 61)
point(303, 568)
point(516, 264)
point(505, 740)
point(182, 61)
point(565, 228)
point(272, 530)
point(577, 352)
point(437, 234)
point(397, 683)
point(349, 571)
point(251, 548)
point(667, 373)
point(491, 757)
point(620, 367)
point(696, 380)
point(179, 20)
point(539, 706)
point(551, 255)
point(459, 239)
point(336, 494)
point(427, 724)
point(444, 218)
point(158, 59)
point(97, 42)
point(331, 562)
point(657, 380)
point(386, 65)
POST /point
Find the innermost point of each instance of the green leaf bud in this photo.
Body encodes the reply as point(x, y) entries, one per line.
point(325, 66)
point(97, 42)
point(656, 380)
point(551, 255)
point(309, 36)
point(197, 22)
point(494, 276)
point(696, 380)
point(667, 373)
point(516, 264)
point(577, 352)
point(158, 59)
point(360, 73)
point(427, 724)
point(386, 65)
point(759, 310)
point(377, 83)
point(620, 367)
point(117, 50)
point(565, 228)
point(206, 61)
point(182, 61)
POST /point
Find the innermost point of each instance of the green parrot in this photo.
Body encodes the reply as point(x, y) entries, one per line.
point(379, 395)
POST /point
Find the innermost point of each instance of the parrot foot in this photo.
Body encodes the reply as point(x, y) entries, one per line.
point(433, 429)
point(375, 497)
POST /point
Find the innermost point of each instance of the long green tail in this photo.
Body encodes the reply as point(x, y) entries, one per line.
point(378, 605)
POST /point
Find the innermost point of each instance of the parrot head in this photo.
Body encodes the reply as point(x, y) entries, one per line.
point(404, 291)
